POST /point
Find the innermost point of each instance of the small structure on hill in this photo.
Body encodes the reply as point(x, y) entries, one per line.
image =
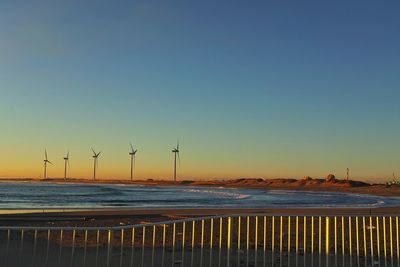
point(307, 178)
point(330, 178)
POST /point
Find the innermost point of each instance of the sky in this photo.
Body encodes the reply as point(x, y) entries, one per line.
point(250, 88)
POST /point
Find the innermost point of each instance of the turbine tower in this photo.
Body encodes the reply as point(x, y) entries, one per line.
point(95, 156)
point(176, 153)
point(347, 176)
point(66, 162)
point(132, 154)
point(45, 164)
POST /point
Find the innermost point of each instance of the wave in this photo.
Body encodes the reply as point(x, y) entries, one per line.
point(222, 194)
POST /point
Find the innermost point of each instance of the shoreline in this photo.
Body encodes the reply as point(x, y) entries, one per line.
point(319, 185)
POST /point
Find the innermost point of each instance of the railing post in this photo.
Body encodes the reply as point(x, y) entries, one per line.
point(47, 248)
point(327, 236)
point(273, 235)
point(34, 248)
point(60, 249)
point(108, 247)
point(85, 248)
point(73, 247)
point(312, 235)
point(377, 239)
point(384, 237)
point(288, 235)
point(371, 237)
point(97, 246)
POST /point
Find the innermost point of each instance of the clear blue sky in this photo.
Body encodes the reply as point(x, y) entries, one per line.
point(251, 88)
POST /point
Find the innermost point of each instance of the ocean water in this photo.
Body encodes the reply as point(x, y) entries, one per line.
point(51, 195)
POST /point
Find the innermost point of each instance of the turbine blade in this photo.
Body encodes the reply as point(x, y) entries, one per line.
point(93, 151)
point(179, 159)
point(68, 154)
point(131, 147)
point(50, 162)
point(45, 154)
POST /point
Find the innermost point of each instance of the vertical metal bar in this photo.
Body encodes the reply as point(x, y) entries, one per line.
point(132, 246)
point(391, 236)
point(377, 238)
point(163, 239)
point(47, 248)
point(7, 247)
point(229, 234)
point(211, 232)
point(173, 243)
point(183, 234)
point(384, 237)
point(397, 240)
point(202, 234)
point(320, 235)
point(256, 234)
point(108, 248)
point(297, 235)
point(122, 246)
point(34, 248)
point(281, 235)
point(239, 228)
point(312, 234)
point(173, 235)
point(211, 239)
point(97, 247)
point(220, 241)
point(21, 248)
point(357, 239)
point(371, 237)
point(265, 233)
point(143, 243)
point(264, 240)
point(247, 240)
point(153, 245)
point(343, 236)
point(327, 236)
point(365, 241)
point(357, 243)
point(85, 248)
point(193, 228)
point(350, 243)
point(273, 235)
point(288, 235)
point(335, 230)
point(229, 241)
point(183, 242)
point(60, 249)
point(73, 247)
point(364, 238)
point(305, 235)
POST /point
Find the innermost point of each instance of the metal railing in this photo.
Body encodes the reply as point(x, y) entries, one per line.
point(234, 240)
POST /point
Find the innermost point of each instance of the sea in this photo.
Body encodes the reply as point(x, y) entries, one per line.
point(27, 195)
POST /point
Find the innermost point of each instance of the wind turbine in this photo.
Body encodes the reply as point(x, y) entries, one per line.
point(132, 153)
point(66, 162)
point(95, 156)
point(176, 153)
point(45, 164)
